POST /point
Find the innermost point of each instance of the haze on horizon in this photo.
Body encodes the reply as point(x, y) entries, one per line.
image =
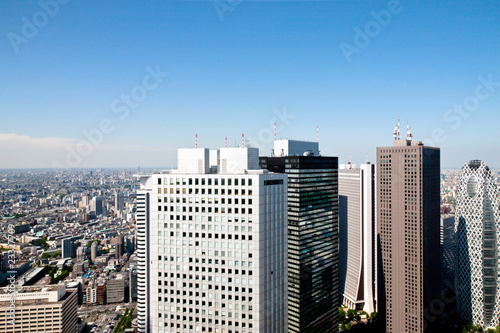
point(122, 83)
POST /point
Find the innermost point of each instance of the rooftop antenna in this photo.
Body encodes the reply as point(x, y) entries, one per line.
point(242, 140)
point(395, 134)
point(196, 140)
point(350, 158)
point(409, 136)
point(274, 131)
point(366, 158)
point(317, 134)
point(399, 130)
point(225, 142)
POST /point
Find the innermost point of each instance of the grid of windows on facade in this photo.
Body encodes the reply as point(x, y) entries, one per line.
point(205, 196)
point(212, 217)
point(385, 190)
point(408, 182)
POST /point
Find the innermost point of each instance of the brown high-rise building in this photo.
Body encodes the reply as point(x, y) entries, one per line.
point(408, 187)
point(101, 292)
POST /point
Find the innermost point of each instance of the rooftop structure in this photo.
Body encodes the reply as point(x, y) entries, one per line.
point(49, 308)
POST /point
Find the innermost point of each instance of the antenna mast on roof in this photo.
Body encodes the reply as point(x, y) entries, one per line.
point(225, 142)
point(399, 130)
point(409, 136)
point(196, 140)
point(317, 134)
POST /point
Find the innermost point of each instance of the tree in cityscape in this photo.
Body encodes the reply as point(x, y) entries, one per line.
point(351, 314)
point(41, 242)
point(342, 316)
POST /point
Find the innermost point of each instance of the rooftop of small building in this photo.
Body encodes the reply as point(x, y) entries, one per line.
point(33, 289)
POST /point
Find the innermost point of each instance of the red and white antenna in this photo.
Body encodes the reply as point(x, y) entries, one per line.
point(274, 131)
point(366, 158)
point(243, 140)
point(196, 140)
point(317, 133)
point(395, 134)
point(399, 130)
point(409, 136)
point(225, 142)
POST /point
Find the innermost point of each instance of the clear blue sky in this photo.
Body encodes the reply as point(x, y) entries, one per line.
point(232, 66)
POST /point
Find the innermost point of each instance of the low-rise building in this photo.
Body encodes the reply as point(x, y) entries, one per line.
point(50, 308)
point(115, 289)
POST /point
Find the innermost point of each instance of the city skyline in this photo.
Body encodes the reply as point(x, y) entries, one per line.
point(52, 213)
point(68, 68)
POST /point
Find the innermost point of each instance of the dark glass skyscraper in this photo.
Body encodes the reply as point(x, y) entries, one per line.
point(312, 234)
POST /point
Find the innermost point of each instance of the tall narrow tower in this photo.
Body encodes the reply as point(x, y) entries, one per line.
point(408, 198)
point(477, 232)
point(357, 237)
point(312, 234)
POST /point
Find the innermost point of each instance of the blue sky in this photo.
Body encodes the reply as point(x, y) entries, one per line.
point(237, 66)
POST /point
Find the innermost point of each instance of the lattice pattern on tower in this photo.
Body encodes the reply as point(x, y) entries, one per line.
point(477, 235)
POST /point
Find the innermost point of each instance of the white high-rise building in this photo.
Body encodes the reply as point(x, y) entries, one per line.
point(477, 232)
point(212, 247)
point(357, 237)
